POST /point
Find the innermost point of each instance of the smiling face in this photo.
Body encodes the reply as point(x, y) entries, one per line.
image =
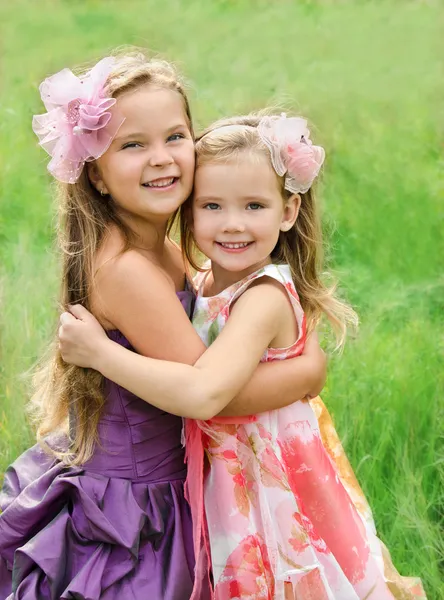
point(238, 213)
point(148, 170)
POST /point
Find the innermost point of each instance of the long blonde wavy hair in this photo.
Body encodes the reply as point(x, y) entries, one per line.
point(301, 247)
point(67, 398)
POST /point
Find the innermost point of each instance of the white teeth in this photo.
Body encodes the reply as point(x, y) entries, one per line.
point(160, 183)
point(234, 246)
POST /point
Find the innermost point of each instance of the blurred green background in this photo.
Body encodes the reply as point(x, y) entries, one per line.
point(369, 76)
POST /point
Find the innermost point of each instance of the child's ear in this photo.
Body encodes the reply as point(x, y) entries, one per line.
point(291, 212)
point(95, 178)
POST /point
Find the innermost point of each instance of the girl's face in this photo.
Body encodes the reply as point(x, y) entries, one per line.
point(149, 168)
point(238, 212)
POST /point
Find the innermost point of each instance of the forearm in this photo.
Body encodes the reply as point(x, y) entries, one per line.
point(203, 390)
point(174, 387)
point(272, 387)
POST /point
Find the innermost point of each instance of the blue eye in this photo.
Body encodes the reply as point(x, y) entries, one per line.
point(254, 206)
point(175, 137)
point(212, 206)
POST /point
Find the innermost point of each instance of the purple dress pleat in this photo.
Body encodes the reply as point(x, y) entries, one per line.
point(118, 527)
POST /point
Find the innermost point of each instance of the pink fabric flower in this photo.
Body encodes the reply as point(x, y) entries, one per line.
point(292, 151)
point(78, 126)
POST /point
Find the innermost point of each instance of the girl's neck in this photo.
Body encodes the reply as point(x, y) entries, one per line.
point(220, 279)
point(147, 236)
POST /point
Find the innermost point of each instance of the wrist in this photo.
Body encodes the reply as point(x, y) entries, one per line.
point(100, 356)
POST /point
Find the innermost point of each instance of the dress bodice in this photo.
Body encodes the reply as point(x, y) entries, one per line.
point(137, 440)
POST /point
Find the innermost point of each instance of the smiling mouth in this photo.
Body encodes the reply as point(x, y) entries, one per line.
point(234, 245)
point(162, 182)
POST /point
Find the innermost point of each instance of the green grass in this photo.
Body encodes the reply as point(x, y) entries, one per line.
point(369, 76)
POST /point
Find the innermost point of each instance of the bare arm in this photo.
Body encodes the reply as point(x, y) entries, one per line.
point(281, 382)
point(203, 390)
point(138, 300)
point(134, 296)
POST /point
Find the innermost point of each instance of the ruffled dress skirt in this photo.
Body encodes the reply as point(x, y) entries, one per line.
point(66, 533)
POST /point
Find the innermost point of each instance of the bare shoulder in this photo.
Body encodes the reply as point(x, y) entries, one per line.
point(137, 296)
point(113, 258)
point(263, 302)
point(267, 292)
point(126, 266)
point(267, 303)
point(123, 274)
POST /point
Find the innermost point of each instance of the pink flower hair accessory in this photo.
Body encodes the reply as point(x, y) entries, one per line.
point(292, 152)
point(78, 126)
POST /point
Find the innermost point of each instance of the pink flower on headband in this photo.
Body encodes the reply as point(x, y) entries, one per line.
point(78, 126)
point(292, 151)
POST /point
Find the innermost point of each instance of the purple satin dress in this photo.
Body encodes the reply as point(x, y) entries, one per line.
point(117, 528)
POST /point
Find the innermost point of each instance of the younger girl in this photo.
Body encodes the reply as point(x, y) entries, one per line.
point(280, 515)
point(103, 515)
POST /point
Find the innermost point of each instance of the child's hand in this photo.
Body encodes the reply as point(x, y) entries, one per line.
point(81, 337)
point(318, 364)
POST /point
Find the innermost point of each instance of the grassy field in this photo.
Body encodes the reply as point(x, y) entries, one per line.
point(369, 76)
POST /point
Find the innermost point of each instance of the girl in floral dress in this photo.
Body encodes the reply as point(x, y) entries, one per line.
point(279, 510)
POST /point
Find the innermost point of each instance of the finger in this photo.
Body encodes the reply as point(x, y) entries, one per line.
point(79, 311)
point(61, 333)
point(66, 318)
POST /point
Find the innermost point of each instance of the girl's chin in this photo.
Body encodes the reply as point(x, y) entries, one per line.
point(163, 210)
point(236, 266)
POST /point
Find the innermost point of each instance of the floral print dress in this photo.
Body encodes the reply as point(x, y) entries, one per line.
point(279, 510)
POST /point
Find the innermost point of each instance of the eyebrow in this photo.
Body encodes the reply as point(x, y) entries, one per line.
point(136, 134)
point(242, 198)
point(139, 134)
point(257, 197)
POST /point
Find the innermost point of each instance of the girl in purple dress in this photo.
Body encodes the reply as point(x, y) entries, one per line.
point(97, 509)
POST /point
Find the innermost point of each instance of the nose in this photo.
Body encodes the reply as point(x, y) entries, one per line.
point(160, 156)
point(234, 223)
